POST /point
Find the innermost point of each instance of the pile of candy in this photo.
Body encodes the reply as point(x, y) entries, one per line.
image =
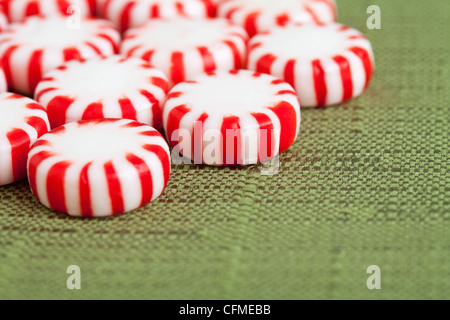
point(91, 82)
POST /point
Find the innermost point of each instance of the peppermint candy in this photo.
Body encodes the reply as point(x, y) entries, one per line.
point(22, 122)
point(99, 168)
point(30, 49)
point(98, 88)
point(326, 65)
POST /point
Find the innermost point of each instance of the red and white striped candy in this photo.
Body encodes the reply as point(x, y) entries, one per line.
point(131, 13)
point(38, 45)
point(3, 20)
point(184, 48)
point(99, 168)
point(326, 65)
point(263, 15)
point(112, 87)
point(18, 10)
point(232, 118)
point(3, 82)
point(22, 122)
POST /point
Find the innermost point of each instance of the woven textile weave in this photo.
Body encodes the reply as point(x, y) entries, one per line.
point(367, 183)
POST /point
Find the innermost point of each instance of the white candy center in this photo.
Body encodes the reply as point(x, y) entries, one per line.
point(12, 115)
point(51, 32)
point(306, 42)
point(230, 94)
point(272, 6)
point(101, 78)
point(95, 142)
point(182, 33)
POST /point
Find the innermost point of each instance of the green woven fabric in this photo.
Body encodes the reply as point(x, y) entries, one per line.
point(367, 183)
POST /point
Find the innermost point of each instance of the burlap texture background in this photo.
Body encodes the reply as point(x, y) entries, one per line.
point(367, 183)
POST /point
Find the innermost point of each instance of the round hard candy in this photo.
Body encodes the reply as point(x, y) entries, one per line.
point(98, 88)
point(184, 48)
point(262, 15)
point(22, 122)
point(19, 10)
point(99, 168)
point(131, 13)
point(327, 65)
point(3, 19)
point(232, 118)
point(38, 45)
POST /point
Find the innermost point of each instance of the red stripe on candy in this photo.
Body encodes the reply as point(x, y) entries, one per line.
point(94, 111)
point(63, 7)
point(34, 106)
point(346, 76)
point(174, 95)
point(208, 59)
point(38, 124)
point(5, 4)
point(250, 23)
point(156, 109)
point(163, 157)
point(283, 19)
point(211, 10)
point(127, 108)
point(6, 63)
point(85, 192)
point(32, 9)
point(177, 68)
point(146, 56)
point(366, 60)
point(41, 93)
point(236, 54)
point(320, 86)
point(231, 141)
point(125, 16)
point(266, 137)
point(313, 15)
point(114, 188)
point(180, 8)
point(131, 52)
point(20, 145)
point(34, 163)
point(282, 92)
point(104, 11)
point(133, 124)
point(153, 133)
point(59, 130)
point(41, 142)
point(145, 177)
point(173, 124)
point(55, 186)
point(161, 83)
point(35, 69)
point(57, 109)
point(93, 7)
point(289, 72)
point(197, 139)
point(93, 47)
point(72, 54)
point(231, 12)
point(113, 44)
point(264, 65)
point(288, 121)
point(154, 11)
